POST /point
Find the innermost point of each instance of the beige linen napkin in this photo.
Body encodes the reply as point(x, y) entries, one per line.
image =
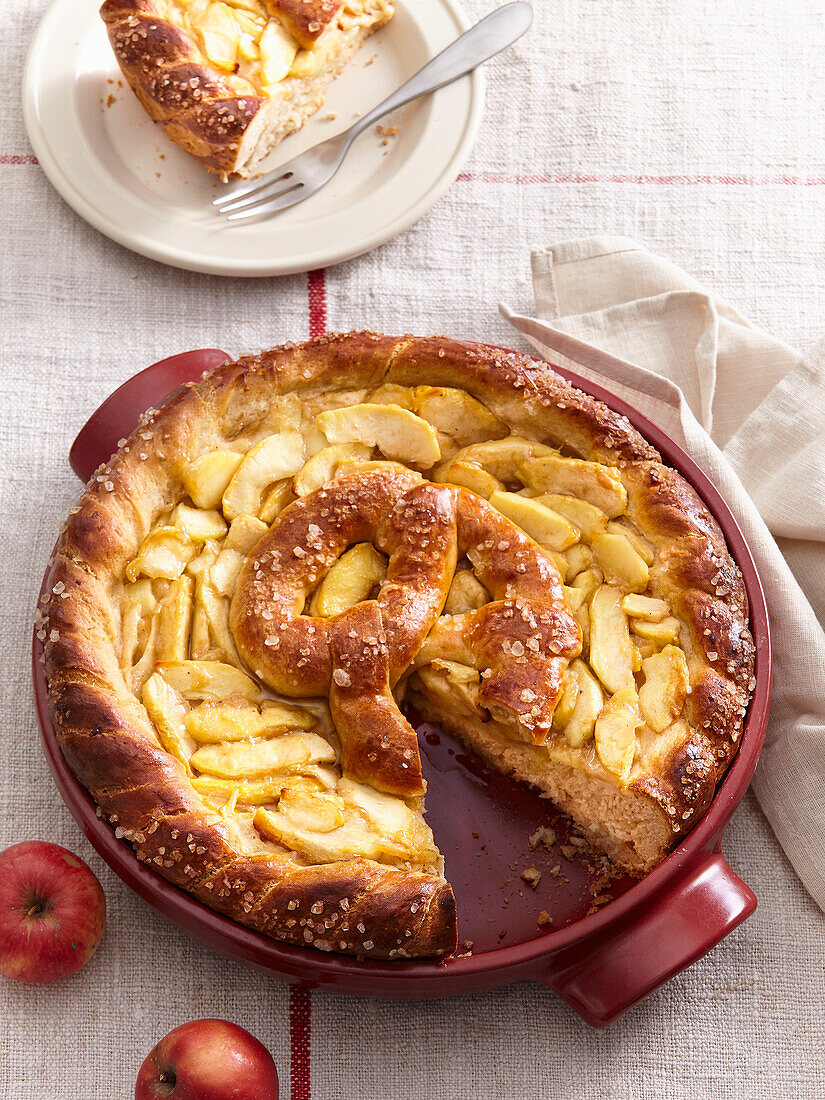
point(751, 412)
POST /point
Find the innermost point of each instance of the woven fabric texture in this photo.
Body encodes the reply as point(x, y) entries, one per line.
point(692, 127)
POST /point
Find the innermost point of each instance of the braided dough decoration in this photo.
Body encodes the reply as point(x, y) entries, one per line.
point(358, 657)
point(305, 21)
point(229, 79)
point(371, 520)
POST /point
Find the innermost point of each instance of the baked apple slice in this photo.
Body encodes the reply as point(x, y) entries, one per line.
point(256, 759)
point(395, 431)
point(278, 456)
point(612, 656)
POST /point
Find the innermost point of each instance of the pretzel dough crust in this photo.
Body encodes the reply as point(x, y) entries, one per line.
point(360, 906)
point(218, 117)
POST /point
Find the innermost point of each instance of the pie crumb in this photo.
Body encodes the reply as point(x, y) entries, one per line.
point(532, 876)
point(544, 837)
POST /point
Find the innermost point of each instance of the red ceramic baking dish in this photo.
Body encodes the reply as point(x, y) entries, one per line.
point(601, 944)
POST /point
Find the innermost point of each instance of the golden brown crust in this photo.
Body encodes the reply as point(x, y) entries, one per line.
point(195, 104)
point(694, 571)
point(533, 399)
point(527, 609)
point(357, 657)
point(112, 746)
point(209, 113)
point(378, 744)
point(306, 20)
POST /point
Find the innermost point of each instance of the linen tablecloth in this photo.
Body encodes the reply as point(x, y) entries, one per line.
point(692, 127)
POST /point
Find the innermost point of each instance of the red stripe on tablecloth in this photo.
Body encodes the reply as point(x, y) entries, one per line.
point(300, 1031)
point(317, 294)
point(316, 278)
point(673, 181)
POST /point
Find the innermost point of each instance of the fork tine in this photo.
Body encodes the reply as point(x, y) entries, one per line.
point(242, 189)
point(250, 194)
point(289, 197)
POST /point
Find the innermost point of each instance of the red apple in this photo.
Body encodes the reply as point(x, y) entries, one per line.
point(208, 1060)
point(52, 912)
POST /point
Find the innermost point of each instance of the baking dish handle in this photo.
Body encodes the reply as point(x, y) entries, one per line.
point(117, 417)
point(606, 974)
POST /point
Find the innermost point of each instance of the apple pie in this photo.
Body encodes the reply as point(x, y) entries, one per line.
point(229, 79)
point(283, 554)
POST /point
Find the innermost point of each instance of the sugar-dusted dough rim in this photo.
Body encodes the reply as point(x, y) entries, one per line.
point(107, 736)
point(199, 107)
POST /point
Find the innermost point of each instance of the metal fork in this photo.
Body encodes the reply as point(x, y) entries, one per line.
point(301, 177)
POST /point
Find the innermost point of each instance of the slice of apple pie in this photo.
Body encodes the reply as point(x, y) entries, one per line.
point(229, 79)
point(282, 554)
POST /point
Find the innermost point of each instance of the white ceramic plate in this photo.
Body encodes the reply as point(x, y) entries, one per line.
point(118, 171)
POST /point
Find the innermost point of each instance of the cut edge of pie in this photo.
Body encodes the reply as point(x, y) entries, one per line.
point(250, 797)
point(229, 79)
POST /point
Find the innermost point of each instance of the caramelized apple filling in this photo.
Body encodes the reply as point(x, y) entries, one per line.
point(250, 41)
point(274, 764)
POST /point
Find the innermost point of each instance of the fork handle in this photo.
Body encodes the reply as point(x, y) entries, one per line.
point(494, 33)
